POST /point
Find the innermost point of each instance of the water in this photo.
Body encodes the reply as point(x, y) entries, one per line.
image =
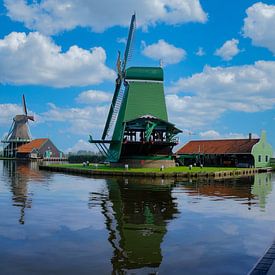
point(62, 224)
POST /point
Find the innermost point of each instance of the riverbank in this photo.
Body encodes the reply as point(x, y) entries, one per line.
point(171, 172)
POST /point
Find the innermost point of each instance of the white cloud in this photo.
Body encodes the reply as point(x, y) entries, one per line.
point(239, 135)
point(247, 88)
point(122, 40)
point(228, 50)
point(80, 145)
point(80, 121)
point(200, 52)
point(35, 59)
point(53, 16)
point(259, 25)
point(192, 112)
point(165, 52)
point(94, 97)
point(212, 134)
point(8, 111)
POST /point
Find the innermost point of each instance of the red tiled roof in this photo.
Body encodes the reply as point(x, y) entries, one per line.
point(34, 144)
point(223, 146)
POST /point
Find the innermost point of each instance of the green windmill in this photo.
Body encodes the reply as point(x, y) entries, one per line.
point(137, 131)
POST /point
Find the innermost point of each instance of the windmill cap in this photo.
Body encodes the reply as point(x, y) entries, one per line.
point(144, 73)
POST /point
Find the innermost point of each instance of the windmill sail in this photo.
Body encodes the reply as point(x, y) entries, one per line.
point(25, 110)
point(129, 42)
point(24, 105)
point(115, 105)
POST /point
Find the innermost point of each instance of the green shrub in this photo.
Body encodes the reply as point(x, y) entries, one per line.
point(84, 158)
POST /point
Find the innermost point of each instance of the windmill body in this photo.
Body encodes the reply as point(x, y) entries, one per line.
point(137, 131)
point(19, 133)
point(20, 129)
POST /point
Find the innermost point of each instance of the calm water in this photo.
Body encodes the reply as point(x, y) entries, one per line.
point(61, 224)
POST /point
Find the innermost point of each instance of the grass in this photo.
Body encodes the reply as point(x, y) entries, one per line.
point(178, 169)
point(4, 158)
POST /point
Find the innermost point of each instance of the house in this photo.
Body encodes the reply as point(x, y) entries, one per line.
point(227, 152)
point(38, 148)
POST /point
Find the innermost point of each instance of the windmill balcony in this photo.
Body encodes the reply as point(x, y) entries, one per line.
point(140, 137)
point(164, 142)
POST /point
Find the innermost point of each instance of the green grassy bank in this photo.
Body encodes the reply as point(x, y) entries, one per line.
point(3, 158)
point(179, 169)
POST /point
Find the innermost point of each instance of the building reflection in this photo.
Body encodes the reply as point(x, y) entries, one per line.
point(19, 174)
point(262, 187)
point(136, 213)
point(249, 191)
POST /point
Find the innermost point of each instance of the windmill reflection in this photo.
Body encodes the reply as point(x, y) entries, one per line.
point(137, 213)
point(19, 174)
point(136, 216)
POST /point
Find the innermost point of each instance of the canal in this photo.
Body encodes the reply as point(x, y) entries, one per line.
point(54, 223)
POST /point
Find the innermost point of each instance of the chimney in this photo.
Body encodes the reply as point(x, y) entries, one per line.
point(249, 136)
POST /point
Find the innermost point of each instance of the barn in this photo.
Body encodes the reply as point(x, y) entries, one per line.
point(250, 152)
point(42, 148)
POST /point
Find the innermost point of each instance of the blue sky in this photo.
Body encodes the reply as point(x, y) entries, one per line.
point(218, 59)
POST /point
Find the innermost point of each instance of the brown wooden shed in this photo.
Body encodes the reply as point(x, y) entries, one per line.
point(223, 152)
point(38, 148)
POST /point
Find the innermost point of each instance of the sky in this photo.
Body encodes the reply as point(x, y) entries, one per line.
point(217, 56)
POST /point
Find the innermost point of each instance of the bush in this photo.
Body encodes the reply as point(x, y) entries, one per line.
point(90, 158)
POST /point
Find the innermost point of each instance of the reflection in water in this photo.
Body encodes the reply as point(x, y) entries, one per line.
point(262, 187)
point(151, 225)
point(136, 216)
point(251, 190)
point(19, 174)
point(137, 212)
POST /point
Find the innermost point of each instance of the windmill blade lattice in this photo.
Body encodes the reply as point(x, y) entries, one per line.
point(118, 95)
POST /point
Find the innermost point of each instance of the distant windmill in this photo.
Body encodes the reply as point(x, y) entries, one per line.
point(19, 132)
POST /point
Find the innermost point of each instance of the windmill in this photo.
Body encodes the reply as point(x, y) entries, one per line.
point(137, 127)
point(19, 132)
point(125, 217)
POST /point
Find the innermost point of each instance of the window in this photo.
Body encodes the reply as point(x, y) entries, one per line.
point(259, 158)
point(266, 158)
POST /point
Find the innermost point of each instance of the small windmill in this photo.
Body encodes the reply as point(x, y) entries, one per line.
point(19, 132)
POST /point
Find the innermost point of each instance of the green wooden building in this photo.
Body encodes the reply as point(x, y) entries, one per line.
point(142, 135)
point(262, 152)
